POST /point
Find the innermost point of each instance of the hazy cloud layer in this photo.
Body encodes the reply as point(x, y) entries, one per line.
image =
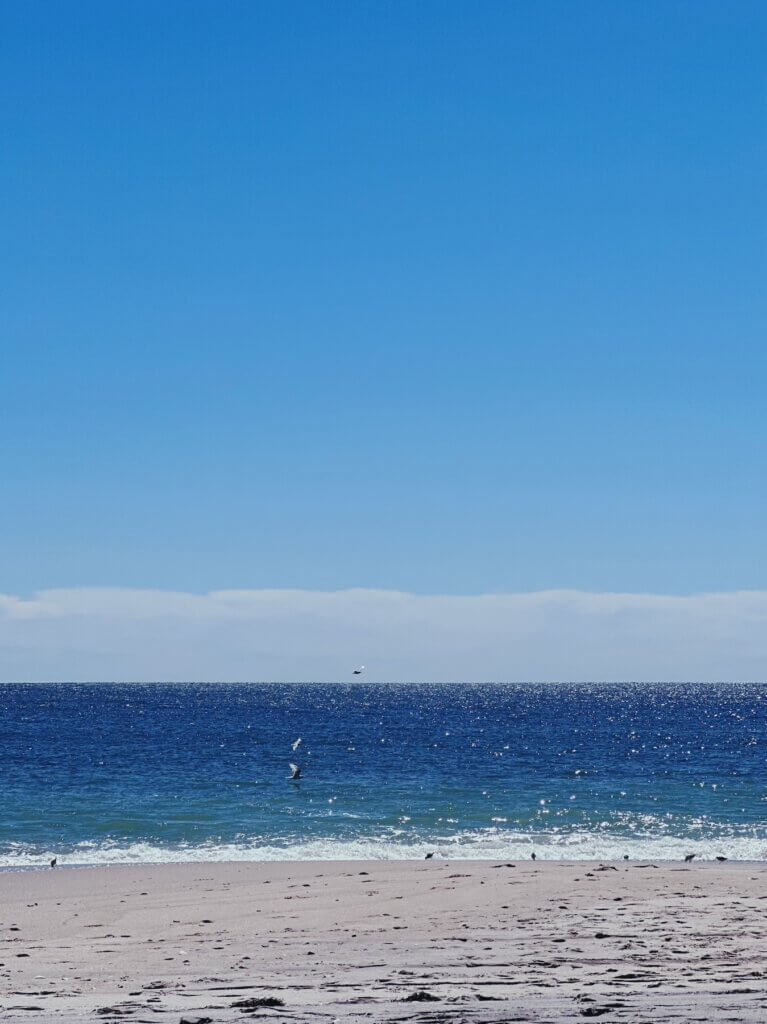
point(123, 634)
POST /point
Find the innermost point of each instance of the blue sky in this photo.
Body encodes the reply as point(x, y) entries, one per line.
point(441, 297)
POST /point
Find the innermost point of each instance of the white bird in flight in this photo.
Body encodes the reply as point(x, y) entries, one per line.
point(294, 746)
point(295, 772)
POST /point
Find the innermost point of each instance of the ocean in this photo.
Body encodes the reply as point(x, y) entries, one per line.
point(117, 773)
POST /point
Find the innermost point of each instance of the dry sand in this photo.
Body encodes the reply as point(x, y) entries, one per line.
point(550, 941)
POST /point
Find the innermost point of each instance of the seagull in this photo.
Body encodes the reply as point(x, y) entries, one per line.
point(295, 772)
point(688, 858)
point(294, 746)
point(53, 863)
point(358, 671)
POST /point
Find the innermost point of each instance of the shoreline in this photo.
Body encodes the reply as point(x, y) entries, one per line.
point(540, 860)
point(349, 941)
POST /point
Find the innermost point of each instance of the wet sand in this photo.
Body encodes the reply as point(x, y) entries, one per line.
point(350, 942)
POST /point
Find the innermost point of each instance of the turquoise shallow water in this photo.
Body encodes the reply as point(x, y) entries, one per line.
point(107, 773)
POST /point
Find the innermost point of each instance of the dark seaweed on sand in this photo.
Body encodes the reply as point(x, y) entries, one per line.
point(256, 1002)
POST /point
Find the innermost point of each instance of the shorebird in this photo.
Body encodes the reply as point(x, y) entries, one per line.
point(428, 856)
point(53, 863)
point(720, 859)
point(688, 858)
point(295, 772)
point(532, 856)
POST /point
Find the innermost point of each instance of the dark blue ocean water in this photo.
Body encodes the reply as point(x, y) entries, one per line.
point(116, 773)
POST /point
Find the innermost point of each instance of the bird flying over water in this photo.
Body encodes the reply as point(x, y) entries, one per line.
point(294, 746)
point(358, 671)
point(295, 771)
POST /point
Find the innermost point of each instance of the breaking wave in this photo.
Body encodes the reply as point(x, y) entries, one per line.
point(481, 845)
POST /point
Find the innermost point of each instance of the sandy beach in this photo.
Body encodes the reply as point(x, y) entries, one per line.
point(386, 941)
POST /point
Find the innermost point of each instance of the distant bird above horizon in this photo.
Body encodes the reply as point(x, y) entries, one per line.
point(358, 671)
point(295, 772)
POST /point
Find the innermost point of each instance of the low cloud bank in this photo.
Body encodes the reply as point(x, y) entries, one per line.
point(125, 634)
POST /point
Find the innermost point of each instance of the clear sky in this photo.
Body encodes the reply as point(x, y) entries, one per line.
point(450, 298)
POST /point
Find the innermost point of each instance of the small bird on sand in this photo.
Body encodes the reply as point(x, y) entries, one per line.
point(625, 856)
point(428, 856)
point(53, 863)
point(720, 859)
point(532, 856)
point(688, 858)
point(295, 772)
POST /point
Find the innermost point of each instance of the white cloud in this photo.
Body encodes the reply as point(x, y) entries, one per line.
point(124, 634)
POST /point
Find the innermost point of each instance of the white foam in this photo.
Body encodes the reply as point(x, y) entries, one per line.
point(491, 844)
